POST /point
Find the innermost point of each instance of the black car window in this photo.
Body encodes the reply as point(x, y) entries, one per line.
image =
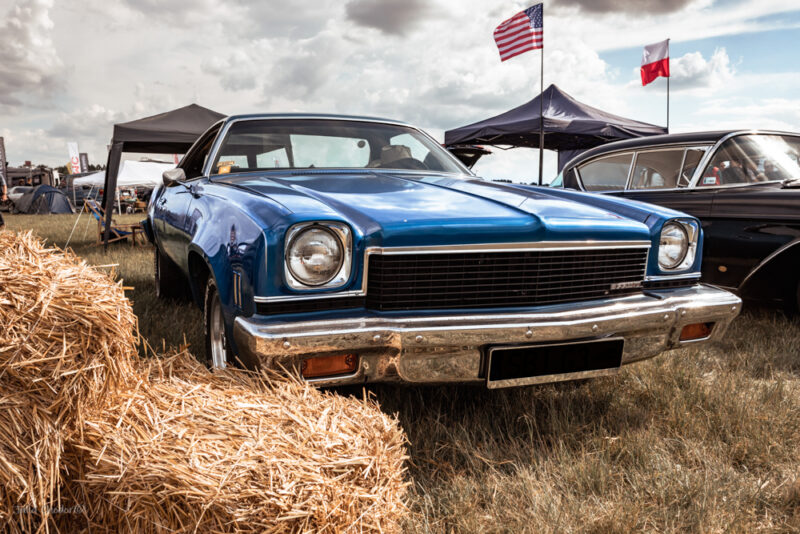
point(746, 159)
point(657, 169)
point(195, 160)
point(606, 174)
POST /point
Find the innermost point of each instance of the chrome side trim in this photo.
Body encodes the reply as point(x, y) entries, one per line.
point(766, 261)
point(442, 249)
point(663, 277)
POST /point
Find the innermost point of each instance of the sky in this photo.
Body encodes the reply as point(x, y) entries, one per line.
point(71, 69)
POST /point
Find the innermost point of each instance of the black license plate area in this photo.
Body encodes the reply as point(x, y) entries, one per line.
point(519, 365)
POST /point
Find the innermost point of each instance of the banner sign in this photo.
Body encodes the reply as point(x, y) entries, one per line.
point(84, 157)
point(3, 173)
point(74, 158)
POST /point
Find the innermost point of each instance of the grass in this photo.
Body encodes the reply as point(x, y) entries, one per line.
point(704, 439)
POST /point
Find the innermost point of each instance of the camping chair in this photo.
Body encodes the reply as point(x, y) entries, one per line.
point(117, 232)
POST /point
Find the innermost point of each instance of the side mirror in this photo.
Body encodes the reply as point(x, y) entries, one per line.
point(173, 176)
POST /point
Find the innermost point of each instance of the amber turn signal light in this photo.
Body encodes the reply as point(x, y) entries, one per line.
point(339, 364)
point(696, 331)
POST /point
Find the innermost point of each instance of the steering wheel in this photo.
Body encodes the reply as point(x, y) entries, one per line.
point(405, 163)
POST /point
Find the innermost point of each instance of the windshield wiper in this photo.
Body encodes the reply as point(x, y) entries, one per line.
point(791, 183)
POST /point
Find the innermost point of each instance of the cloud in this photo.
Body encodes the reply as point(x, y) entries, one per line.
point(693, 71)
point(29, 64)
point(392, 17)
point(631, 7)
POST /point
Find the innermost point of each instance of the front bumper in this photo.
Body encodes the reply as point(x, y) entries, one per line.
point(450, 348)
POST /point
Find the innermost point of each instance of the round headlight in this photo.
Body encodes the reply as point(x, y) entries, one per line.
point(673, 246)
point(315, 256)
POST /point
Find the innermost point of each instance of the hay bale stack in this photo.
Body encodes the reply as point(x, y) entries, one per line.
point(164, 445)
point(66, 340)
point(232, 451)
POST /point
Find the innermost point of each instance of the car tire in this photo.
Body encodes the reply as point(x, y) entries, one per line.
point(219, 353)
point(169, 281)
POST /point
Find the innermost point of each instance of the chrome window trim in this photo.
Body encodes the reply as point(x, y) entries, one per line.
point(230, 122)
point(443, 249)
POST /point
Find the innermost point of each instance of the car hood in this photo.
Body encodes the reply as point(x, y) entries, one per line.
point(412, 209)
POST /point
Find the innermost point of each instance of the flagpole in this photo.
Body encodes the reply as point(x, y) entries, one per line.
point(541, 106)
point(668, 77)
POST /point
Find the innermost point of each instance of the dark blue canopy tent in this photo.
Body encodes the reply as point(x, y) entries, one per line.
point(569, 126)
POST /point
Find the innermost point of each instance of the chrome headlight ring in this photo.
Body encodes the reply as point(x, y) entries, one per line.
point(677, 245)
point(318, 255)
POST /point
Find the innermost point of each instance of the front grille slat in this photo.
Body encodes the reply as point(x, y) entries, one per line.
point(500, 279)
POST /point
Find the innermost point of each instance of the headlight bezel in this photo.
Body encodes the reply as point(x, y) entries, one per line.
point(691, 231)
point(343, 235)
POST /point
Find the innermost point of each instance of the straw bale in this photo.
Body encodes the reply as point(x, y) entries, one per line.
point(67, 338)
point(109, 442)
point(235, 451)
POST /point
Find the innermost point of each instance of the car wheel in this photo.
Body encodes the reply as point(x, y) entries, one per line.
point(218, 349)
point(170, 282)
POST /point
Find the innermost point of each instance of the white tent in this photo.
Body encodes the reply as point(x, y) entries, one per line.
point(133, 173)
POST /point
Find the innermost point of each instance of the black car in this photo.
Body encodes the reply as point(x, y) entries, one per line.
point(744, 186)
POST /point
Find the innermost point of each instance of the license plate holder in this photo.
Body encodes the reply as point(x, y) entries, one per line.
point(519, 365)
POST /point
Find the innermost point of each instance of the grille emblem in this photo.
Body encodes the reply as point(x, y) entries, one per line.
point(626, 285)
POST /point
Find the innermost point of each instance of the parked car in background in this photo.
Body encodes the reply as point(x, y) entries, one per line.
point(744, 186)
point(15, 193)
point(359, 250)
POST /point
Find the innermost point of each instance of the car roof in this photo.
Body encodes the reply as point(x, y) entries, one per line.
point(710, 137)
point(324, 116)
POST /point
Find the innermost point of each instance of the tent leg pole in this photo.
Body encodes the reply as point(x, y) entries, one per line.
point(541, 113)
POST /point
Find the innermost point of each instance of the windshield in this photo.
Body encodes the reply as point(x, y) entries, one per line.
point(754, 158)
point(262, 145)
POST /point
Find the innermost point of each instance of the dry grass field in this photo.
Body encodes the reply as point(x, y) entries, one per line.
point(705, 439)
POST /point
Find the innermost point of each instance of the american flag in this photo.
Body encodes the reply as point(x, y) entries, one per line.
point(520, 33)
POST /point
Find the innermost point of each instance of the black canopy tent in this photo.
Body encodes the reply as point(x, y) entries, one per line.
point(569, 125)
point(172, 132)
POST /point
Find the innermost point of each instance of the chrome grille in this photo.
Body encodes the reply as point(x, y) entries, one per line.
point(417, 281)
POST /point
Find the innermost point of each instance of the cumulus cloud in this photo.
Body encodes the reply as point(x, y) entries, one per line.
point(693, 71)
point(29, 64)
point(393, 17)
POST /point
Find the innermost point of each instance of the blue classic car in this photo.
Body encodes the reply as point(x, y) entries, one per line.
point(359, 250)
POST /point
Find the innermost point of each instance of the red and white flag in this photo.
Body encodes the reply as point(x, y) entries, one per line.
point(655, 61)
point(520, 33)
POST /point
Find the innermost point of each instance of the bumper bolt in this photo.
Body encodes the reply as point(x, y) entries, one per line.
point(419, 339)
point(733, 308)
point(666, 316)
point(595, 328)
point(529, 333)
point(683, 312)
point(376, 338)
point(286, 345)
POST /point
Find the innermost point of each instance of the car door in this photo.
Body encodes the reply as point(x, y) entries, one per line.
point(174, 204)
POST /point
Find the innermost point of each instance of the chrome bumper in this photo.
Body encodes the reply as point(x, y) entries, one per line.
point(449, 348)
